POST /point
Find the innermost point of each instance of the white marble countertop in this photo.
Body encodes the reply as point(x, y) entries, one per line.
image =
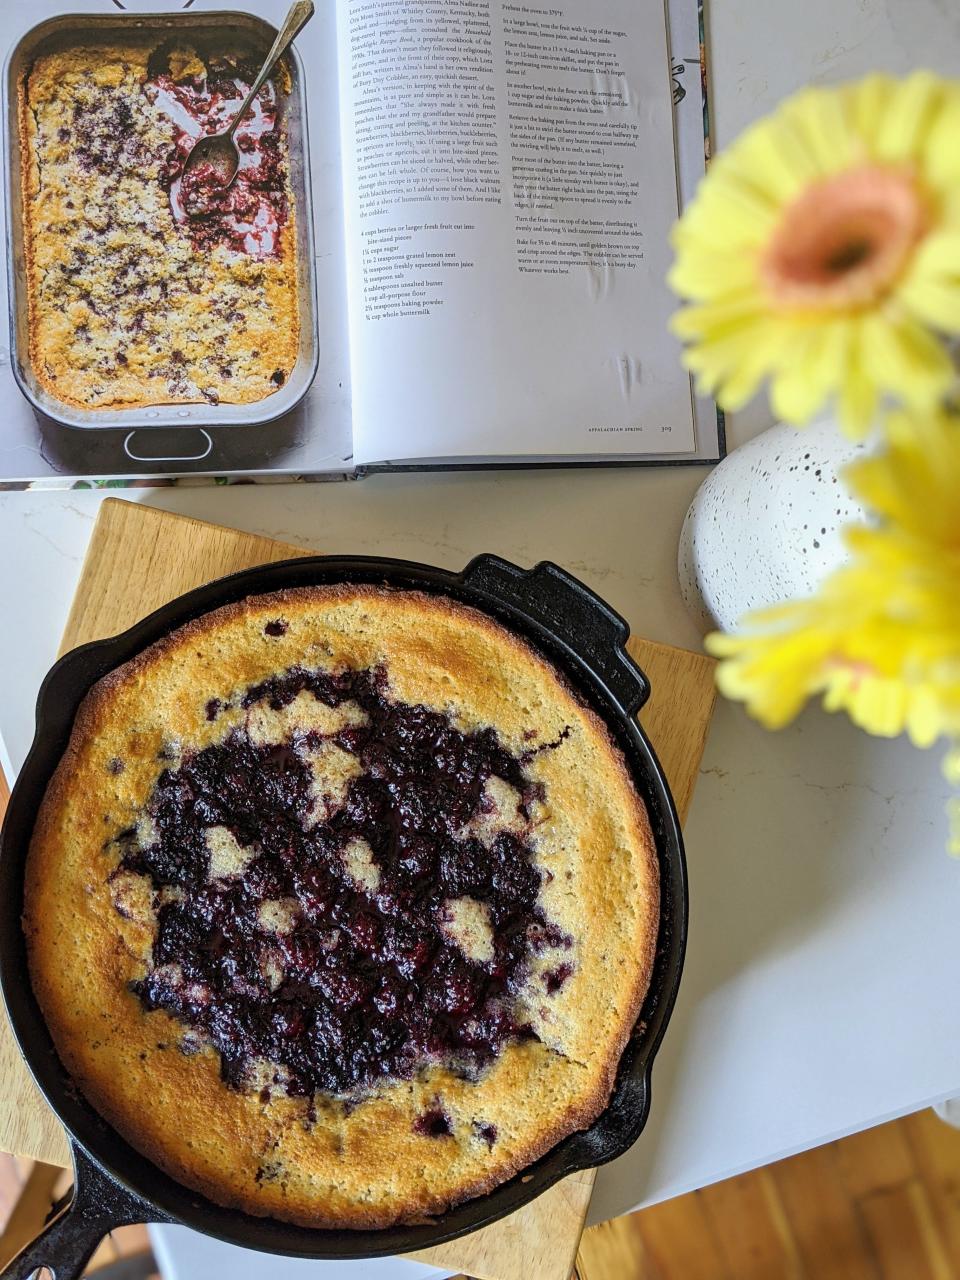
point(820, 988)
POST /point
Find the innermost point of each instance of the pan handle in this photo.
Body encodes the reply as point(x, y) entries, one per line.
point(68, 1241)
point(206, 449)
point(571, 613)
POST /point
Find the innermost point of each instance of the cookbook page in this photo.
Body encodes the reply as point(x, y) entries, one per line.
point(40, 447)
point(509, 184)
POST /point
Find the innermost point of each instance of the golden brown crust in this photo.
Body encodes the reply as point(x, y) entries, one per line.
point(364, 1165)
point(123, 310)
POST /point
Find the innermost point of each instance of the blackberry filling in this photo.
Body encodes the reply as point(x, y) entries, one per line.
point(555, 978)
point(434, 1124)
point(331, 952)
point(488, 1132)
point(247, 215)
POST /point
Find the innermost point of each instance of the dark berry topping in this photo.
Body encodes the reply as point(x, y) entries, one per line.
point(339, 977)
point(276, 628)
point(488, 1132)
point(558, 741)
point(434, 1123)
point(554, 979)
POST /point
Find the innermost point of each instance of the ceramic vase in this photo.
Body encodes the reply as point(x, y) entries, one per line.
point(765, 524)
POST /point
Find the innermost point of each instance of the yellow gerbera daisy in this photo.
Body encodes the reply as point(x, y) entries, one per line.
point(881, 638)
point(822, 250)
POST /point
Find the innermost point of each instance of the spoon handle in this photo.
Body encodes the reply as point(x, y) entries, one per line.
point(298, 15)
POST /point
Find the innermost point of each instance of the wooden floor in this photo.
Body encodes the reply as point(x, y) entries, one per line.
point(884, 1205)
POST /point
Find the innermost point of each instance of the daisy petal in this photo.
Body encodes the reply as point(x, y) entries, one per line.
point(935, 304)
point(924, 723)
point(698, 274)
point(941, 155)
point(773, 157)
point(907, 117)
point(813, 369)
point(819, 117)
point(743, 382)
point(902, 356)
point(932, 289)
point(859, 398)
point(868, 103)
point(717, 319)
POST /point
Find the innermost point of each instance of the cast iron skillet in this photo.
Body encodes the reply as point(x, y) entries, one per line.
point(114, 1185)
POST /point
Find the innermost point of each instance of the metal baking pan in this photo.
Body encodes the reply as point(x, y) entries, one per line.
point(69, 29)
point(114, 1184)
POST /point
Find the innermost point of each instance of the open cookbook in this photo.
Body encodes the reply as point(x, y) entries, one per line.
point(446, 245)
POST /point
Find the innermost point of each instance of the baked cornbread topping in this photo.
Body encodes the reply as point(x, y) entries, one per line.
point(132, 301)
point(352, 888)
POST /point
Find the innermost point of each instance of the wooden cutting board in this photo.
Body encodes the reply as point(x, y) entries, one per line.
point(138, 559)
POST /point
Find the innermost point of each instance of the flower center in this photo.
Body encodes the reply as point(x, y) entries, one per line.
point(845, 240)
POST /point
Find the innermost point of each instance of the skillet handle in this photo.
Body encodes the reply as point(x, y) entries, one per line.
point(572, 613)
point(67, 1243)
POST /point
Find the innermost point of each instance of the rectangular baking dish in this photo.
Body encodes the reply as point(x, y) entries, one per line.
point(71, 28)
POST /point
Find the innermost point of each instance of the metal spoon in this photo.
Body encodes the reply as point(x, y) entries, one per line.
point(218, 150)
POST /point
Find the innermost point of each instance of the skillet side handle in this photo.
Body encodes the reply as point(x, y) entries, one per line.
point(67, 1243)
point(572, 613)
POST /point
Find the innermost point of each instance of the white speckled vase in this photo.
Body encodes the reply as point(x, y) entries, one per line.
point(765, 524)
